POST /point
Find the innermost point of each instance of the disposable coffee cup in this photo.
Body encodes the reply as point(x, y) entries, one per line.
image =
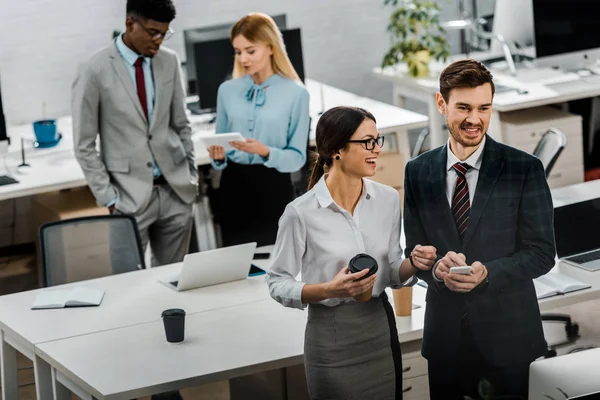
point(361, 262)
point(174, 321)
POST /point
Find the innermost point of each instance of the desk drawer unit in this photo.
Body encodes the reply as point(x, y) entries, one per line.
point(416, 388)
point(523, 129)
point(415, 383)
point(390, 169)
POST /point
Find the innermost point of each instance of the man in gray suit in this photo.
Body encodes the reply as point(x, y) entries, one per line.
point(130, 95)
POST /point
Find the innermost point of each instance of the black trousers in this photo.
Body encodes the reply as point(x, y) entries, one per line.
point(454, 379)
point(252, 198)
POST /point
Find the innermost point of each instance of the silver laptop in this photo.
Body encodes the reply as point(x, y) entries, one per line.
point(212, 267)
point(577, 234)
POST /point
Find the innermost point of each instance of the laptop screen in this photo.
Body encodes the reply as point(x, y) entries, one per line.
point(577, 228)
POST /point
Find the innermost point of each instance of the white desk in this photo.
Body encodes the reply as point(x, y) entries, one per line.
point(220, 344)
point(131, 299)
point(56, 168)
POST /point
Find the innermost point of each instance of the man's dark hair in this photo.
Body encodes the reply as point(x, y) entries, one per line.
point(464, 74)
point(157, 10)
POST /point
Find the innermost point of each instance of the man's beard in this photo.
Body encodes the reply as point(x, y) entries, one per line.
point(462, 141)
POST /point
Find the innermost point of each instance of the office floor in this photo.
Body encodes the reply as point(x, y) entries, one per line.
point(18, 273)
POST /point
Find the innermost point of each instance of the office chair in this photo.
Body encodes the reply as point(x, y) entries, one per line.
point(551, 144)
point(300, 178)
point(548, 149)
point(420, 142)
point(89, 247)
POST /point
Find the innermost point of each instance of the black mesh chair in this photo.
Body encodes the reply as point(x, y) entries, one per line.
point(418, 149)
point(77, 249)
point(548, 149)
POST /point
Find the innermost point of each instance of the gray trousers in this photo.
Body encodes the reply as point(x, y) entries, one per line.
point(166, 224)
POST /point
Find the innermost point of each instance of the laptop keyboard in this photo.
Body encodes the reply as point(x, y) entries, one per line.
point(584, 258)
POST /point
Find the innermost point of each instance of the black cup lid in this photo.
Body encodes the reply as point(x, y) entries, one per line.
point(173, 312)
point(363, 261)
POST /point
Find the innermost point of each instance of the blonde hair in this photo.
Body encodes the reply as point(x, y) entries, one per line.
point(260, 28)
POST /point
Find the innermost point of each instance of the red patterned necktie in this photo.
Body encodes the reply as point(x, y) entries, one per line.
point(461, 204)
point(141, 85)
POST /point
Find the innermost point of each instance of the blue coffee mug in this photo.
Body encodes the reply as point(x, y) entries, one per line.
point(45, 131)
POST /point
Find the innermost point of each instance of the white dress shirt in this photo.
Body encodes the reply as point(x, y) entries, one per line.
point(472, 174)
point(317, 238)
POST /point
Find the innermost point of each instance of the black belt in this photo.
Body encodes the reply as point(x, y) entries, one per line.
point(159, 180)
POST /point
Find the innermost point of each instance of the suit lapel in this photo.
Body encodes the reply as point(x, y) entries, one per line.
point(118, 66)
point(438, 186)
point(158, 75)
point(491, 166)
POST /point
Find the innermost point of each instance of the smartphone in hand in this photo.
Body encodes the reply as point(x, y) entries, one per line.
point(464, 270)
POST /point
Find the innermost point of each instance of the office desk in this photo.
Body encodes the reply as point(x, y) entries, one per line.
point(130, 299)
point(220, 344)
point(56, 168)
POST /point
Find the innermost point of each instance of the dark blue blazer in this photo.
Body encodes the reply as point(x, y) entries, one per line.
point(510, 231)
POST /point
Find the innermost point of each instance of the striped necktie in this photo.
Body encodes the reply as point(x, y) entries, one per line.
point(461, 205)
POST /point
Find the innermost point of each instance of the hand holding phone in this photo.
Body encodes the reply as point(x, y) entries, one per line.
point(464, 270)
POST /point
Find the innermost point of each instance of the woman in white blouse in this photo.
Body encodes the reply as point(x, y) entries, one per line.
point(351, 348)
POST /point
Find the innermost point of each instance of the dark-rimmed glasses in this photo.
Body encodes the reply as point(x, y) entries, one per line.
point(155, 34)
point(370, 142)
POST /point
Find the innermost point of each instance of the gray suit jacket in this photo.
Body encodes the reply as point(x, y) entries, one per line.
point(105, 104)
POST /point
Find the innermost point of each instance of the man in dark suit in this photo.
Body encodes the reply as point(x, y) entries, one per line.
point(487, 205)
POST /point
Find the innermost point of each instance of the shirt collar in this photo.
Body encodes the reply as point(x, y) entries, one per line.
point(129, 55)
point(324, 196)
point(474, 159)
point(268, 82)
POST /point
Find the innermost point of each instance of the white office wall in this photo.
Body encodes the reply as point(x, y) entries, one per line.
point(42, 41)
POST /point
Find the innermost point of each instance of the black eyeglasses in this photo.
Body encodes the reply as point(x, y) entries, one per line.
point(370, 143)
point(155, 34)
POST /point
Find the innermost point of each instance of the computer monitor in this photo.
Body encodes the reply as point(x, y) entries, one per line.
point(221, 31)
point(566, 376)
point(513, 19)
point(214, 65)
point(566, 33)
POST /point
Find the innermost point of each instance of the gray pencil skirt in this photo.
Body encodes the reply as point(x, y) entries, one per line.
point(351, 351)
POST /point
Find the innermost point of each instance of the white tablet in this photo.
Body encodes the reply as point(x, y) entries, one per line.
point(222, 139)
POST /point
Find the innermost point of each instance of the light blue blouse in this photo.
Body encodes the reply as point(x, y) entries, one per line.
point(275, 113)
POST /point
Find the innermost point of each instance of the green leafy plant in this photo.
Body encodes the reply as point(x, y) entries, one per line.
point(414, 27)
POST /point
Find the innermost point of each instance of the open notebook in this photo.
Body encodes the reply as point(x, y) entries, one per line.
point(553, 284)
point(75, 297)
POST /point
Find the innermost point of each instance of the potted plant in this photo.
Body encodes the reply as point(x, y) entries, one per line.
point(417, 35)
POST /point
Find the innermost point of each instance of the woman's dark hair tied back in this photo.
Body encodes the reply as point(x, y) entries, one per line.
point(335, 127)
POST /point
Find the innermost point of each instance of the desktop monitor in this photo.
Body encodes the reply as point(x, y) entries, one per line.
point(513, 19)
point(566, 33)
point(214, 65)
point(221, 31)
point(566, 376)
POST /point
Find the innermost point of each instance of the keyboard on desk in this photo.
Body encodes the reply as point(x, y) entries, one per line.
point(584, 258)
point(546, 76)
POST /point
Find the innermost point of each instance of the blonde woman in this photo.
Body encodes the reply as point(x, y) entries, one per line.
point(268, 104)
